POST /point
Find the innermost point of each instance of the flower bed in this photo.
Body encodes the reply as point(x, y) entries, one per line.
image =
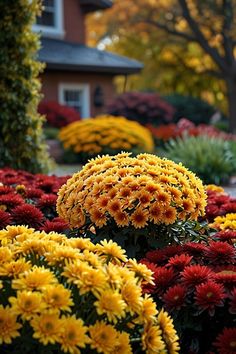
point(105, 135)
point(27, 199)
point(64, 295)
point(196, 283)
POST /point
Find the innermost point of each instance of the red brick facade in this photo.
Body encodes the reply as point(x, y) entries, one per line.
point(74, 31)
point(52, 79)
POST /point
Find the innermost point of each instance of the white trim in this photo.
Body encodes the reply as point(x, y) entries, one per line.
point(58, 30)
point(85, 96)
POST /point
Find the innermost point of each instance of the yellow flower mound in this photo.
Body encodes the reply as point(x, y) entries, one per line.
point(78, 296)
point(131, 191)
point(104, 134)
point(227, 222)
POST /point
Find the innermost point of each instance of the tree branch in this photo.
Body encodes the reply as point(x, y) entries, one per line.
point(201, 39)
point(171, 31)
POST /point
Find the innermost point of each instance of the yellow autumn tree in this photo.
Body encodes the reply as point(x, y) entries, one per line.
point(186, 45)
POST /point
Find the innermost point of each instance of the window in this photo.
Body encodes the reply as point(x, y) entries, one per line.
point(76, 96)
point(50, 22)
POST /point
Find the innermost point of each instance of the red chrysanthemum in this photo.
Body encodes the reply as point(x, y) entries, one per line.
point(226, 277)
point(47, 201)
point(11, 200)
point(209, 295)
point(56, 226)
point(32, 193)
point(6, 190)
point(5, 219)
point(226, 341)
point(225, 235)
point(220, 252)
point(174, 297)
point(27, 214)
point(232, 304)
point(179, 262)
point(194, 249)
point(163, 278)
point(229, 207)
point(196, 274)
point(47, 185)
point(157, 256)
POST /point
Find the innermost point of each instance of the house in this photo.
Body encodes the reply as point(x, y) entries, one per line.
point(75, 74)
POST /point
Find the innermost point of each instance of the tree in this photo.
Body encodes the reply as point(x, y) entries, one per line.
point(206, 25)
point(21, 142)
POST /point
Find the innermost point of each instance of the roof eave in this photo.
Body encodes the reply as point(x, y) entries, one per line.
point(95, 5)
point(94, 69)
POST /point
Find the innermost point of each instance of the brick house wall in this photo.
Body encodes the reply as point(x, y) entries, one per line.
point(74, 22)
point(52, 79)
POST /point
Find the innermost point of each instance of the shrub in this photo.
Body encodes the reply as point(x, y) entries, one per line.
point(67, 295)
point(138, 202)
point(57, 115)
point(21, 140)
point(210, 158)
point(30, 200)
point(146, 108)
point(195, 109)
point(104, 135)
point(196, 283)
point(218, 203)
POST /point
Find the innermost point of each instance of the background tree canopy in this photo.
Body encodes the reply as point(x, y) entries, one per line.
point(186, 46)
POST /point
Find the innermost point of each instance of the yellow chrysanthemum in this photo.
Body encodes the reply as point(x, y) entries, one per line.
point(148, 310)
point(141, 271)
point(103, 337)
point(132, 295)
point(8, 325)
point(215, 188)
point(225, 222)
point(47, 328)
point(110, 251)
point(57, 297)
point(13, 232)
point(131, 192)
point(168, 331)
point(36, 278)
point(5, 255)
point(104, 132)
point(111, 304)
point(123, 344)
point(73, 334)
point(27, 304)
point(14, 268)
point(152, 341)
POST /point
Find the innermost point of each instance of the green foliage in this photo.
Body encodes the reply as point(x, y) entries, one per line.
point(213, 160)
point(21, 139)
point(51, 133)
point(192, 108)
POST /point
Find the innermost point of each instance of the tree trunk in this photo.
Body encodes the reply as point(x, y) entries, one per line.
point(231, 92)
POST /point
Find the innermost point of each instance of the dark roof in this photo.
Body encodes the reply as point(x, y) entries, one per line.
point(61, 55)
point(94, 5)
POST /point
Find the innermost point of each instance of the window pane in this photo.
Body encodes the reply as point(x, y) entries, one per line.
point(72, 98)
point(47, 19)
point(50, 3)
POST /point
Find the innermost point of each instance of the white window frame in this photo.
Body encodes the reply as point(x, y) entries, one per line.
point(58, 30)
point(85, 109)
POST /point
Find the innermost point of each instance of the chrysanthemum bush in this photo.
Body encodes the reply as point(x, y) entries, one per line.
point(140, 202)
point(27, 199)
point(196, 283)
point(61, 295)
point(219, 203)
point(105, 134)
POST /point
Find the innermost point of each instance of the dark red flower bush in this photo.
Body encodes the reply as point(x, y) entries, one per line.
point(146, 108)
point(197, 286)
point(27, 199)
point(219, 204)
point(58, 115)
